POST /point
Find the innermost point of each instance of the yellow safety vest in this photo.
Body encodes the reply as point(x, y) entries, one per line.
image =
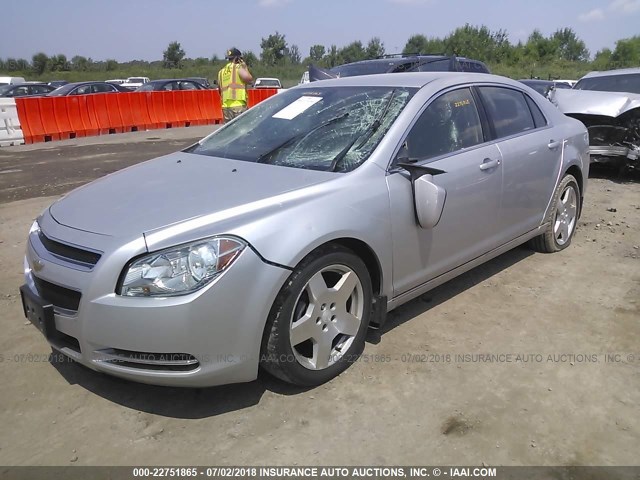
point(232, 86)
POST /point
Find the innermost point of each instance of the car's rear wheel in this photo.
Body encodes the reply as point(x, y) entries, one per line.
point(562, 218)
point(318, 322)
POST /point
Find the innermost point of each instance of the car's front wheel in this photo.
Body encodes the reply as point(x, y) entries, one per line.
point(318, 323)
point(562, 218)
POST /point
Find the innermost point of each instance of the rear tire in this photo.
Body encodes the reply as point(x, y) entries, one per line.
point(318, 323)
point(562, 218)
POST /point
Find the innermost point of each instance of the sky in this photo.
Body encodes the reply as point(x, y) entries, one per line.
point(142, 29)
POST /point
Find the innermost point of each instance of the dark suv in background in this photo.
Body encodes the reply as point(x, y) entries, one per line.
point(410, 62)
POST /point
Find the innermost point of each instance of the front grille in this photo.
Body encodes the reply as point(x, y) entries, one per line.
point(67, 251)
point(173, 362)
point(56, 295)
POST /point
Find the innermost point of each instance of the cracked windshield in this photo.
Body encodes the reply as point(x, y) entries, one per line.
point(333, 129)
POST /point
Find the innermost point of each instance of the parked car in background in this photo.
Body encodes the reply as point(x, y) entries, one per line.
point(608, 103)
point(281, 237)
point(170, 84)
point(398, 64)
point(57, 83)
point(85, 88)
point(571, 83)
point(25, 90)
point(134, 82)
point(11, 80)
point(543, 87)
point(201, 80)
point(117, 81)
point(265, 82)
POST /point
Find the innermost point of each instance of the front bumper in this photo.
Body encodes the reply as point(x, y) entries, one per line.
point(209, 337)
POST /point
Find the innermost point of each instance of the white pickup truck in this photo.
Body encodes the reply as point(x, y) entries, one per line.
point(134, 82)
point(267, 83)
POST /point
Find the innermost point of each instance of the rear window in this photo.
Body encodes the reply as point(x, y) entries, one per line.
point(367, 68)
point(508, 110)
point(629, 83)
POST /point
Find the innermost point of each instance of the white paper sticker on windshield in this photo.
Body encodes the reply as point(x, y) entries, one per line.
point(294, 109)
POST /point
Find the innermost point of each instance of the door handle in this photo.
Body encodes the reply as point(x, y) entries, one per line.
point(553, 144)
point(488, 164)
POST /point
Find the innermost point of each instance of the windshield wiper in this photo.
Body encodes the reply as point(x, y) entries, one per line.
point(367, 134)
point(300, 136)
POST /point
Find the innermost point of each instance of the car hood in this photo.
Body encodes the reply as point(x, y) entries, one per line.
point(176, 188)
point(588, 102)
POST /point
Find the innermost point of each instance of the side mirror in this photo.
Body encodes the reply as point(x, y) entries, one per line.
point(428, 198)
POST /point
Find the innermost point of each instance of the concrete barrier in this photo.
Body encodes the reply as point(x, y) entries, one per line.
point(10, 129)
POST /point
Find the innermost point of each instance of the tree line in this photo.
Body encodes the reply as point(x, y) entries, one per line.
point(560, 54)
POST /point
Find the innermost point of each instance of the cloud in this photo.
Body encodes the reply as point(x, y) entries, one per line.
point(625, 6)
point(592, 16)
point(272, 3)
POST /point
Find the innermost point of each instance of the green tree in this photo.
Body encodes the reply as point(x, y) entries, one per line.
point(331, 59)
point(173, 55)
point(40, 62)
point(602, 60)
point(111, 65)
point(274, 48)
point(477, 42)
point(59, 63)
point(352, 52)
point(626, 53)
point(375, 48)
point(250, 58)
point(539, 48)
point(80, 63)
point(422, 44)
point(293, 53)
point(316, 53)
point(569, 46)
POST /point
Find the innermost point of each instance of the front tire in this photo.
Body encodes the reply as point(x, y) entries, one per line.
point(318, 322)
point(562, 218)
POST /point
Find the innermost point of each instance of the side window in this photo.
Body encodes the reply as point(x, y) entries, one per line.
point(443, 65)
point(449, 123)
point(170, 86)
point(508, 110)
point(538, 117)
point(82, 90)
point(20, 91)
point(103, 88)
point(187, 86)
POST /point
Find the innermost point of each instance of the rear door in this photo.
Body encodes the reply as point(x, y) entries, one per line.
point(447, 135)
point(531, 152)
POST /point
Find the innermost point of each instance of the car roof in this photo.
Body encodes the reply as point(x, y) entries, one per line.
point(537, 81)
point(607, 73)
point(409, 79)
point(404, 58)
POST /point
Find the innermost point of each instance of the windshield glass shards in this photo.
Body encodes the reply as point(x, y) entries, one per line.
point(310, 128)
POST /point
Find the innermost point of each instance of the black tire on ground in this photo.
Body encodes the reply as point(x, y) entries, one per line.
point(547, 241)
point(277, 354)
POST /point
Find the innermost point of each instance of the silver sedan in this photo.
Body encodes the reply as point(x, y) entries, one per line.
point(279, 239)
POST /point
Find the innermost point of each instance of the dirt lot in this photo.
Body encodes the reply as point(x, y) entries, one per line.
point(421, 394)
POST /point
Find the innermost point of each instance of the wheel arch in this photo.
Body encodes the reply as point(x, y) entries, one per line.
point(576, 172)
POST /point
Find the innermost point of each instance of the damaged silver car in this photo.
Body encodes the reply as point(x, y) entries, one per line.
point(608, 103)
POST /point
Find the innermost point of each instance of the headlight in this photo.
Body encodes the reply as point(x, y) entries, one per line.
point(35, 227)
point(180, 270)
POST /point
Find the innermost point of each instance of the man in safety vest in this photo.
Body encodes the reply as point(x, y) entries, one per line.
point(232, 79)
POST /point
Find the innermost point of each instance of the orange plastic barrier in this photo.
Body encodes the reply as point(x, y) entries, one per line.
point(55, 118)
point(30, 122)
point(256, 95)
point(139, 112)
point(81, 123)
